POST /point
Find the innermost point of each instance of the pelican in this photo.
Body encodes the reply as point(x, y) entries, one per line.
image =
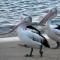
point(29, 38)
point(53, 31)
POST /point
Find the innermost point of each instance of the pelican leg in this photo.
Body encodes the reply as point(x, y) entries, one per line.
point(58, 44)
point(29, 55)
point(40, 51)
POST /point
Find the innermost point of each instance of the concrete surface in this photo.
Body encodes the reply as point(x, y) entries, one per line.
point(9, 50)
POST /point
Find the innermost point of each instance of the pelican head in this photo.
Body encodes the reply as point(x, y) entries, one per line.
point(28, 20)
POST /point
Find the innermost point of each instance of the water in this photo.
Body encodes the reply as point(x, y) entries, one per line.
point(11, 10)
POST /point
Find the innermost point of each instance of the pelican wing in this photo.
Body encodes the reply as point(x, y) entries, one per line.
point(29, 38)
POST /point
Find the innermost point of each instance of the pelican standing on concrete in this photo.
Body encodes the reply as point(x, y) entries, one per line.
point(29, 38)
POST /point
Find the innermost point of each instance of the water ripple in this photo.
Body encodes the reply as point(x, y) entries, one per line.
point(10, 10)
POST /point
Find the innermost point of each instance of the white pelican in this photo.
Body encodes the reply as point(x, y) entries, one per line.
point(53, 31)
point(29, 38)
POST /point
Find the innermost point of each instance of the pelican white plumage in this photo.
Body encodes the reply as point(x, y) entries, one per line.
point(29, 38)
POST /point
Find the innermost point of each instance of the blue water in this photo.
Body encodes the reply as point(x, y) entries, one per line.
point(11, 10)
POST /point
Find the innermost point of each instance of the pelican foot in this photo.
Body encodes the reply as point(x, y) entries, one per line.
point(27, 55)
